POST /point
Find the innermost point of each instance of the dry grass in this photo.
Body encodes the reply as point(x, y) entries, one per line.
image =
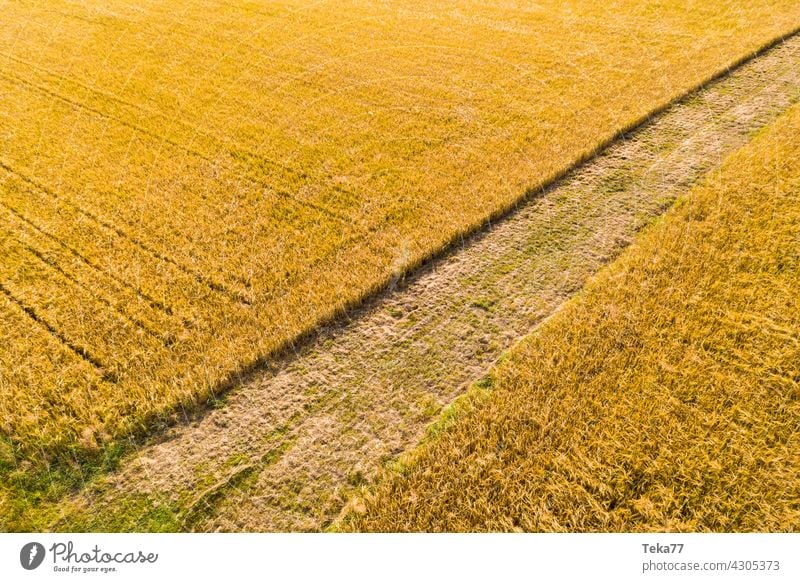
point(666, 396)
point(186, 186)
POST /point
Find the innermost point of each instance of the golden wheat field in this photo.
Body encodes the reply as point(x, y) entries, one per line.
point(188, 187)
point(663, 397)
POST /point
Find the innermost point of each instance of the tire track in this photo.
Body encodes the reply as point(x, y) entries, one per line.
point(212, 284)
point(79, 351)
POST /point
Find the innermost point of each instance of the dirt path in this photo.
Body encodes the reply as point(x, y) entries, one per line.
point(292, 442)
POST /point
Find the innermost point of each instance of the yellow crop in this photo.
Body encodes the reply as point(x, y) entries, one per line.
point(187, 186)
point(665, 396)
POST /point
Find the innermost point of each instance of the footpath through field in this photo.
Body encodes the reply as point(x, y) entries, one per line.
point(294, 441)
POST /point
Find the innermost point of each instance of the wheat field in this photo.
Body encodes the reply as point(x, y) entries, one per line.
point(187, 187)
point(664, 397)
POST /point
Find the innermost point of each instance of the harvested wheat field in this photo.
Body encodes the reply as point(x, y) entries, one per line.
point(189, 189)
point(666, 396)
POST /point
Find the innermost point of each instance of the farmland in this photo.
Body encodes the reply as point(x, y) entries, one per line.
point(296, 439)
point(187, 188)
point(663, 397)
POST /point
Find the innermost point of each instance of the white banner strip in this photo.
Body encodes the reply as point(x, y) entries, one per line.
point(352, 558)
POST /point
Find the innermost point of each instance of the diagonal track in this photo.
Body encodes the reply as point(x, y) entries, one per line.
point(293, 441)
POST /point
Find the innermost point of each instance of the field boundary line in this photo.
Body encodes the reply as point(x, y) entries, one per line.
point(381, 289)
point(534, 192)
